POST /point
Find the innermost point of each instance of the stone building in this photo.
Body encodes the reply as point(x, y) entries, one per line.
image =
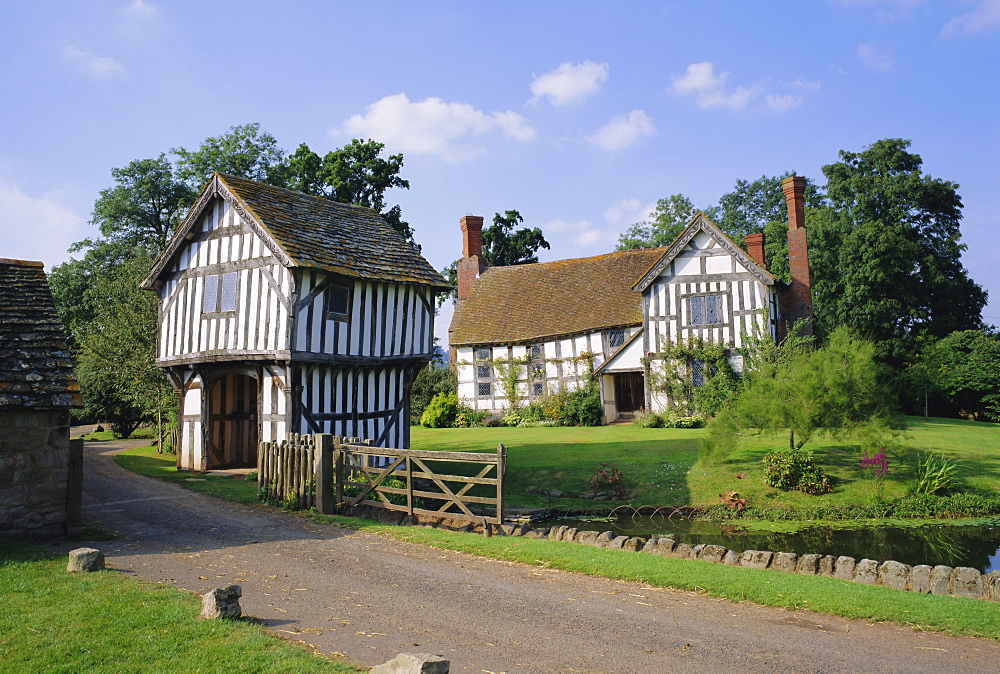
point(37, 391)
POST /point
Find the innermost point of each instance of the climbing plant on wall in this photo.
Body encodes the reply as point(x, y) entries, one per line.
point(693, 375)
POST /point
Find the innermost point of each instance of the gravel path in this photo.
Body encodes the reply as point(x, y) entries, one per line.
point(366, 598)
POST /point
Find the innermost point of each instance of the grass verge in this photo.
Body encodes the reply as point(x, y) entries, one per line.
point(955, 615)
point(106, 622)
point(146, 461)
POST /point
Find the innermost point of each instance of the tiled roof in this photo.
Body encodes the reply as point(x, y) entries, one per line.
point(35, 367)
point(510, 305)
point(316, 233)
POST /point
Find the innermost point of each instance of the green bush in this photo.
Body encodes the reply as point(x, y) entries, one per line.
point(430, 382)
point(513, 418)
point(679, 421)
point(441, 411)
point(583, 407)
point(648, 420)
point(795, 470)
point(470, 418)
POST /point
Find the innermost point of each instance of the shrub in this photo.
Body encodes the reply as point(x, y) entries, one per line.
point(609, 480)
point(512, 418)
point(795, 470)
point(679, 421)
point(648, 420)
point(470, 418)
point(441, 411)
point(533, 411)
point(583, 407)
point(430, 381)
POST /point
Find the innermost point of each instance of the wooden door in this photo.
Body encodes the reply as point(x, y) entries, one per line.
point(629, 394)
point(233, 422)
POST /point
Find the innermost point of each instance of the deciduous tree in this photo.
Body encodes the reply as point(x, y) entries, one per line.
point(669, 218)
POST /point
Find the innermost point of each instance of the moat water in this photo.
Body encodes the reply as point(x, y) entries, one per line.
point(976, 546)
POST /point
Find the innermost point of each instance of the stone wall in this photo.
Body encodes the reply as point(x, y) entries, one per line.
point(940, 580)
point(34, 456)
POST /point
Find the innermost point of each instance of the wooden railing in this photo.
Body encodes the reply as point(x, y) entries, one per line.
point(323, 471)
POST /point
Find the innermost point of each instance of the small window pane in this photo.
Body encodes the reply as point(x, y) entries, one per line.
point(697, 373)
point(482, 354)
point(337, 300)
point(228, 292)
point(711, 309)
point(538, 389)
point(616, 338)
point(485, 389)
point(696, 306)
point(484, 371)
point(536, 350)
point(211, 302)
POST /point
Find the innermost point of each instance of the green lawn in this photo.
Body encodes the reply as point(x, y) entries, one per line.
point(662, 465)
point(146, 461)
point(105, 622)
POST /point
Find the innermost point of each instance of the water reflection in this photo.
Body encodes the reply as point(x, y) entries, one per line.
point(977, 546)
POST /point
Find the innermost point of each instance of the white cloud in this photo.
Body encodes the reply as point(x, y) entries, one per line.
point(95, 66)
point(783, 102)
point(710, 89)
point(626, 212)
point(138, 18)
point(582, 234)
point(569, 83)
point(984, 17)
point(623, 131)
point(432, 126)
point(36, 227)
point(875, 58)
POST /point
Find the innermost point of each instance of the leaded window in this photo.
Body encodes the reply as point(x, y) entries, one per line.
point(484, 371)
point(483, 353)
point(705, 310)
point(538, 389)
point(338, 302)
point(616, 338)
point(220, 293)
point(536, 351)
point(484, 389)
point(697, 373)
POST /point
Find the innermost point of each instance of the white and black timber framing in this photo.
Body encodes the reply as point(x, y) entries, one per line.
point(262, 356)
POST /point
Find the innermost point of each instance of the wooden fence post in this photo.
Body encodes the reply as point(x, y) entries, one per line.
point(324, 473)
point(338, 469)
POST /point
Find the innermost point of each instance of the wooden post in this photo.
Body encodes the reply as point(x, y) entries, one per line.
point(338, 468)
point(324, 474)
point(501, 471)
point(409, 489)
point(74, 485)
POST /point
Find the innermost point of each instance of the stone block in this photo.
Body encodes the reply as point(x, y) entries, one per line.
point(634, 544)
point(569, 534)
point(866, 572)
point(603, 539)
point(940, 579)
point(808, 565)
point(756, 559)
point(731, 558)
point(966, 582)
point(785, 561)
point(661, 547)
point(920, 579)
point(827, 563)
point(618, 542)
point(844, 568)
point(712, 553)
point(586, 537)
point(991, 586)
point(413, 663)
point(222, 603)
point(683, 551)
point(85, 560)
point(555, 533)
point(696, 550)
point(894, 574)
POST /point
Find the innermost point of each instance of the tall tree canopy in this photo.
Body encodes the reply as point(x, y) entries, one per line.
point(885, 253)
point(354, 174)
point(670, 217)
point(504, 246)
point(243, 151)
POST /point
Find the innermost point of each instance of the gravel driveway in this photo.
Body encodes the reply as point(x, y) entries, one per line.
point(366, 597)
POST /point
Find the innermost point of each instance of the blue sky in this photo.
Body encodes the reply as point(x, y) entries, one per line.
point(578, 114)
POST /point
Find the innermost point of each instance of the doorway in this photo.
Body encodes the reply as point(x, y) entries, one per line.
point(630, 394)
point(232, 441)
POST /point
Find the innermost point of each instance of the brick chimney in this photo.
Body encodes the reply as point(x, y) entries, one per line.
point(755, 248)
point(472, 264)
point(798, 300)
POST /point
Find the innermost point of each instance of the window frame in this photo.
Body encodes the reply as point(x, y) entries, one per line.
point(328, 296)
point(700, 318)
point(214, 295)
